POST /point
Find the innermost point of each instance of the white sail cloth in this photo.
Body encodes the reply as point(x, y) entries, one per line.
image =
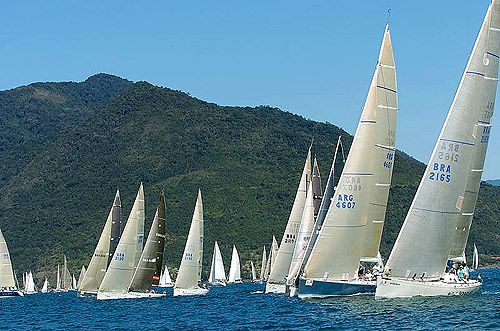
point(235, 269)
point(217, 272)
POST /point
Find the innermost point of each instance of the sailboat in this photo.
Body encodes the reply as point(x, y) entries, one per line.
point(29, 287)
point(148, 270)
point(354, 221)
point(80, 278)
point(66, 280)
point(446, 197)
point(165, 280)
point(279, 268)
point(58, 280)
point(311, 208)
point(104, 250)
point(45, 287)
point(263, 265)
point(235, 269)
point(217, 274)
point(254, 273)
point(73, 283)
point(475, 259)
point(117, 278)
point(189, 275)
point(8, 287)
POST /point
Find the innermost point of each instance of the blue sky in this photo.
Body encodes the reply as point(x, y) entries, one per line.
point(312, 58)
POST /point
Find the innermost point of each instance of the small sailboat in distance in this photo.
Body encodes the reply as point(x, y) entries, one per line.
point(165, 279)
point(45, 287)
point(8, 287)
point(189, 275)
point(263, 265)
point(254, 273)
point(235, 269)
point(80, 278)
point(217, 273)
point(446, 197)
point(30, 284)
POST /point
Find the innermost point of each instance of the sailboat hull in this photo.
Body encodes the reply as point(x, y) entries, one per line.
point(11, 294)
point(312, 288)
point(403, 288)
point(275, 288)
point(190, 291)
point(129, 295)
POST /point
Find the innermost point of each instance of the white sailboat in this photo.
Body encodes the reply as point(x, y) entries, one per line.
point(354, 221)
point(475, 259)
point(189, 275)
point(45, 287)
point(103, 253)
point(263, 265)
point(73, 283)
point(235, 269)
point(116, 281)
point(279, 268)
point(58, 280)
point(446, 197)
point(217, 274)
point(30, 284)
point(80, 278)
point(254, 273)
point(8, 287)
point(165, 279)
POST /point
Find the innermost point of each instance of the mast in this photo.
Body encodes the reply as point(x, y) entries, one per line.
point(352, 215)
point(121, 270)
point(190, 269)
point(116, 225)
point(446, 197)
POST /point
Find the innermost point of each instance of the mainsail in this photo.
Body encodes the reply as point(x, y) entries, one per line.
point(99, 262)
point(45, 287)
point(338, 249)
point(263, 265)
point(235, 269)
point(190, 269)
point(6, 273)
point(445, 200)
point(66, 280)
point(272, 256)
point(121, 270)
point(152, 255)
point(331, 185)
point(475, 259)
point(280, 267)
point(81, 277)
point(217, 273)
point(116, 224)
point(254, 273)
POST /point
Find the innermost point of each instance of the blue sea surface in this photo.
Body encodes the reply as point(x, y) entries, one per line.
point(245, 307)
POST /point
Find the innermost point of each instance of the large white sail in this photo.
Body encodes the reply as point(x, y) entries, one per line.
point(254, 273)
point(235, 269)
point(190, 269)
point(280, 267)
point(6, 273)
point(273, 255)
point(99, 263)
point(306, 227)
point(128, 252)
point(445, 195)
point(339, 246)
point(217, 272)
point(81, 277)
point(475, 259)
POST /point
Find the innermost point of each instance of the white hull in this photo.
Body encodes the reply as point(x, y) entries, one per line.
point(129, 295)
point(190, 291)
point(275, 288)
point(403, 288)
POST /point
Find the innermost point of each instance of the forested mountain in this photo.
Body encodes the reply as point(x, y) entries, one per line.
point(66, 147)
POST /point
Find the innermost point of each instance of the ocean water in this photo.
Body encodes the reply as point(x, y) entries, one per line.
point(244, 307)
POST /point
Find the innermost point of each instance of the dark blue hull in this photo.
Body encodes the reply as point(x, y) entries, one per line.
point(4, 294)
point(322, 289)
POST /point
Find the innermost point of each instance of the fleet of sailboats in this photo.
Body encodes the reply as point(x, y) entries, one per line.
point(330, 245)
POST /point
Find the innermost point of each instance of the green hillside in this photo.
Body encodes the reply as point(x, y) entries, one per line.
point(66, 147)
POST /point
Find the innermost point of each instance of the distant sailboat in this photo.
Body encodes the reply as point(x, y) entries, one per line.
point(235, 269)
point(58, 280)
point(80, 278)
point(116, 281)
point(149, 268)
point(165, 280)
point(279, 268)
point(475, 259)
point(354, 221)
point(66, 280)
point(217, 273)
point(189, 275)
point(45, 287)
point(445, 200)
point(263, 265)
point(8, 287)
point(254, 273)
point(103, 252)
point(73, 283)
